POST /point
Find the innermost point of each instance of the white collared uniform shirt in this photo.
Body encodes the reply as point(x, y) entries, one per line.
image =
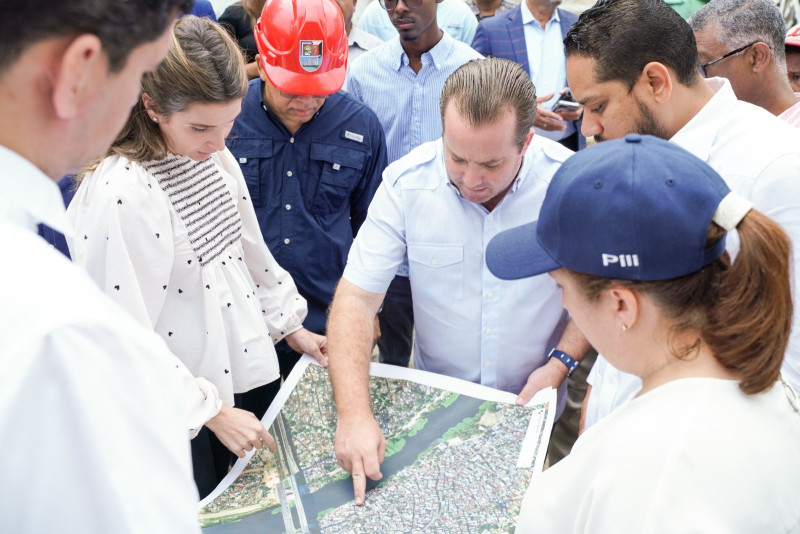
point(469, 324)
point(177, 243)
point(758, 156)
point(685, 457)
point(92, 426)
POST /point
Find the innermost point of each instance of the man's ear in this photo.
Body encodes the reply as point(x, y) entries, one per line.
point(82, 64)
point(261, 73)
point(656, 81)
point(759, 57)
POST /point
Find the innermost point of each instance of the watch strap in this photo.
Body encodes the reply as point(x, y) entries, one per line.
point(566, 359)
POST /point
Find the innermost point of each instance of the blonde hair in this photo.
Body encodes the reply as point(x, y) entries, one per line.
point(203, 64)
point(483, 90)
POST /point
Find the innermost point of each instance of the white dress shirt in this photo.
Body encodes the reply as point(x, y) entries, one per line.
point(92, 426)
point(758, 156)
point(611, 388)
point(469, 324)
point(360, 42)
point(177, 243)
point(693, 455)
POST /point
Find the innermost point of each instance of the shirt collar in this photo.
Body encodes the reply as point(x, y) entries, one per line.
point(29, 196)
point(356, 37)
point(527, 16)
point(439, 53)
point(697, 136)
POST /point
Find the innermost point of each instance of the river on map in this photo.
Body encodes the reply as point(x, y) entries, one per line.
point(340, 492)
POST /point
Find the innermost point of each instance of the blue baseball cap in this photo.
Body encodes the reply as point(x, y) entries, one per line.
point(637, 208)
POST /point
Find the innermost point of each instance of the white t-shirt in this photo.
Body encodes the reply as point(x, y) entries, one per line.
point(177, 243)
point(92, 429)
point(692, 456)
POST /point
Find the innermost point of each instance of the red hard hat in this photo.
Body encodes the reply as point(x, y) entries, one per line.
point(303, 46)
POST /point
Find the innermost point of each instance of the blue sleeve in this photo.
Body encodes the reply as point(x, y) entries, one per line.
point(373, 174)
point(203, 8)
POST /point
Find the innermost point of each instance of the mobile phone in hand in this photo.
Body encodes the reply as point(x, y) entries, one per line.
point(566, 102)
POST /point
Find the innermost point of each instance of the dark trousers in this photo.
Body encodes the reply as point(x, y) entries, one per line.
point(397, 323)
point(211, 460)
point(287, 358)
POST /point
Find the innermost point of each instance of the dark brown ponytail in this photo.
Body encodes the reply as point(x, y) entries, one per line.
point(742, 312)
point(748, 327)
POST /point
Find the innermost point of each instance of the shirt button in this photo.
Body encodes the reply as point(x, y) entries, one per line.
point(435, 261)
point(488, 364)
point(289, 173)
point(288, 207)
point(291, 139)
point(489, 331)
point(490, 295)
point(287, 241)
point(490, 217)
point(612, 379)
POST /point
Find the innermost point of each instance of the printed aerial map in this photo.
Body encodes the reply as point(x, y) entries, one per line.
point(451, 464)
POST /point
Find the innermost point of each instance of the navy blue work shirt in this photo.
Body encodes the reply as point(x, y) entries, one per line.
point(310, 190)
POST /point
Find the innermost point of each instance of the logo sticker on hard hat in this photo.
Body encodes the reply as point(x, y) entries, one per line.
point(310, 55)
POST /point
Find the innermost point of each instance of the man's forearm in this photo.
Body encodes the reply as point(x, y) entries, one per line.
point(573, 342)
point(350, 339)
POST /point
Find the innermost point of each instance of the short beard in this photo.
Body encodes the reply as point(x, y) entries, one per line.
point(647, 124)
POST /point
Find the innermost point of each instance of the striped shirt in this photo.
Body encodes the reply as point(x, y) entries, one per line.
point(202, 201)
point(407, 103)
point(792, 115)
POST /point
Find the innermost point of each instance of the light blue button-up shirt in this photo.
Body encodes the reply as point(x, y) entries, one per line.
point(547, 61)
point(453, 16)
point(407, 103)
point(469, 323)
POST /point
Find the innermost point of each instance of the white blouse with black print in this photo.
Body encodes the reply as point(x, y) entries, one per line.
point(176, 242)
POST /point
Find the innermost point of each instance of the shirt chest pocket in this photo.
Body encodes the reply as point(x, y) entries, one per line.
point(341, 170)
point(438, 268)
point(255, 160)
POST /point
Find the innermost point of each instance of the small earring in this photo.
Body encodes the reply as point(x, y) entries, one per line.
point(155, 119)
point(624, 327)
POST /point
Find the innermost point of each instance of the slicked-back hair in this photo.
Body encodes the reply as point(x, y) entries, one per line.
point(622, 36)
point(483, 90)
point(741, 22)
point(121, 25)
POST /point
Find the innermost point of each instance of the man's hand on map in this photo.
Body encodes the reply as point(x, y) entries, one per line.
point(240, 430)
point(360, 447)
point(550, 374)
point(306, 342)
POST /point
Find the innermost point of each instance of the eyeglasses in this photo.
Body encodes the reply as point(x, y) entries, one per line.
point(704, 66)
point(291, 96)
point(390, 5)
